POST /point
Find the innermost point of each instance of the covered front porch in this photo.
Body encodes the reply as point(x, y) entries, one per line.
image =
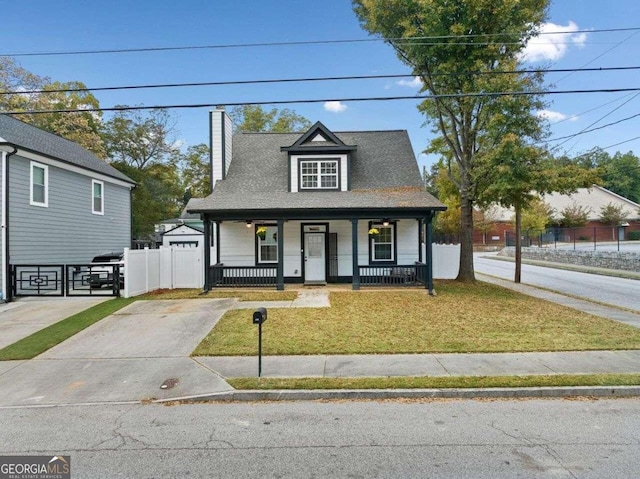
point(388, 248)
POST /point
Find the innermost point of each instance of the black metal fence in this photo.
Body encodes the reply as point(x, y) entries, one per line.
point(66, 280)
point(242, 276)
point(401, 275)
point(615, 238)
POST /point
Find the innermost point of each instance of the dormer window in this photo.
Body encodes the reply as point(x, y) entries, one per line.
point(319, 174)
point(319, 160)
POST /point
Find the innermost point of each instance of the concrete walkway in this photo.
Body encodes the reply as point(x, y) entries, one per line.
point(382, 365)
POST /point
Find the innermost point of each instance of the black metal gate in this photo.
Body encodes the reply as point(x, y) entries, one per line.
point(65, 280)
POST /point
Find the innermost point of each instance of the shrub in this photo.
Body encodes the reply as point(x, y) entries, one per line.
point(634, 235)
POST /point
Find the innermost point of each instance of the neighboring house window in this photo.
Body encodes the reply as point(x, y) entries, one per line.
point(98, 197)
point(320, 174)
point(383, 247)
point(268, 246)
point(39, 195)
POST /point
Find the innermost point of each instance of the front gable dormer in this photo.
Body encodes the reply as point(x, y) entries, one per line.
point(319, 161)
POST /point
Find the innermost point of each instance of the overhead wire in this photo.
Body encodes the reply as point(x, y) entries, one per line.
point(300, 43)
point(323, 100)
point(308, 79)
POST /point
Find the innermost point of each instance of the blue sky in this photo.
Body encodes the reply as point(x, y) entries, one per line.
point(81, 25)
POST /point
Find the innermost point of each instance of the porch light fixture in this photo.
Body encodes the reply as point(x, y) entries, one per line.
point(249, 224)
point(385, 222)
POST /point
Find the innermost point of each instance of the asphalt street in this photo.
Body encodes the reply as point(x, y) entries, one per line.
point(619, 292)
point(453, 439)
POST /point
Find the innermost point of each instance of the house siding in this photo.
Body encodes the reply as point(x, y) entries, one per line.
point(237, 244)
point(66, 231)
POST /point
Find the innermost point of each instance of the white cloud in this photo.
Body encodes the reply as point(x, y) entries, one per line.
point(553, 47)
point(554, 116)
point(334, 106)
point(415, 83)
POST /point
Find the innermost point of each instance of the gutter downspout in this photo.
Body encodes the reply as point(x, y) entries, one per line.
point(4, 222)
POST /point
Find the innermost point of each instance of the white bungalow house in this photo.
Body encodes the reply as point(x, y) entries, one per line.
point(316, 207)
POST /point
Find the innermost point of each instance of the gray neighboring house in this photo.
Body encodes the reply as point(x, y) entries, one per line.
point(315, 207)
point(59, 203)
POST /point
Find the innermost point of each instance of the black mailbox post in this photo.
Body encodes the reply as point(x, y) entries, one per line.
point(259, 317)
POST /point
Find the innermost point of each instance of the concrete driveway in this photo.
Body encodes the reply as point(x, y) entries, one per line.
point(25, 316)
point(127, 356)
point(145, 329)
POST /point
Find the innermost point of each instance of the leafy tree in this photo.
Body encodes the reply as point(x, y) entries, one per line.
point(622, 175)
point(574, 216)
point(444, 66)
point(14, 78)
point(448, 222)
point(156, 197)
point(254, 118)
point(536, 217)
point(194, 171)
point(139, 138)
point(81, 127)
point(485, 220)
point(613, 216)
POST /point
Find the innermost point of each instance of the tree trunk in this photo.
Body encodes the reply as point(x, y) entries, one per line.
point(466, 273)
point(518, 244)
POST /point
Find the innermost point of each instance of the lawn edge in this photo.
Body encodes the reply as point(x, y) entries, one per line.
point(437, 382)
point(46, 338)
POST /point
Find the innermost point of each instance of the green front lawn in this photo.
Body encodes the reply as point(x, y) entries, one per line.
point(462, 318)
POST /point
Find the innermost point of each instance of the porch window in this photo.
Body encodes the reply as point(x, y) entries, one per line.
point(39, 185)
point(383, 244)
point(267, 244)
point(97, 188)
point(319, 174)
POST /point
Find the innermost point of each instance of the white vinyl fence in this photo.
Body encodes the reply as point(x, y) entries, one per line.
point(446, 261)
point(167, 268)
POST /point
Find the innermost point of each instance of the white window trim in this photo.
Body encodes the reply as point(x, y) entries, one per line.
point(93, 210)
point(319, 174)
point(373, 244)
point(32, 202)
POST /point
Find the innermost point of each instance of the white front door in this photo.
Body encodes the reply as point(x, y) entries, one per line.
point(314, 257)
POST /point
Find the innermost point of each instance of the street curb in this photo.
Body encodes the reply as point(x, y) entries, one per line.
point(377, 394)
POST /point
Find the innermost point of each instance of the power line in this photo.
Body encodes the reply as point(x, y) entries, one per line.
point(578, 115)
point(309, 79)
point(601, 55)
point(301, 43)
point(597, 121)
point(323, 100)
point(595, 129)
point(609, 146)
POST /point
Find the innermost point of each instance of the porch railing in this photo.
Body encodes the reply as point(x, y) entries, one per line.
point(393, 275)
point(242, 276)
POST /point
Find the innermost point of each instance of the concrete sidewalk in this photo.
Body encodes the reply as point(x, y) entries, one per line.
point(141, 353)
point(383, 365)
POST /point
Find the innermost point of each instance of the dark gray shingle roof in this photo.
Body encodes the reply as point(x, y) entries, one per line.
point(29, 137)
point(384, 174)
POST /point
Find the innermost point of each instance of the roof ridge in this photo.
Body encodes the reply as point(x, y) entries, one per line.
point(301, 132)
point(29, 125)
